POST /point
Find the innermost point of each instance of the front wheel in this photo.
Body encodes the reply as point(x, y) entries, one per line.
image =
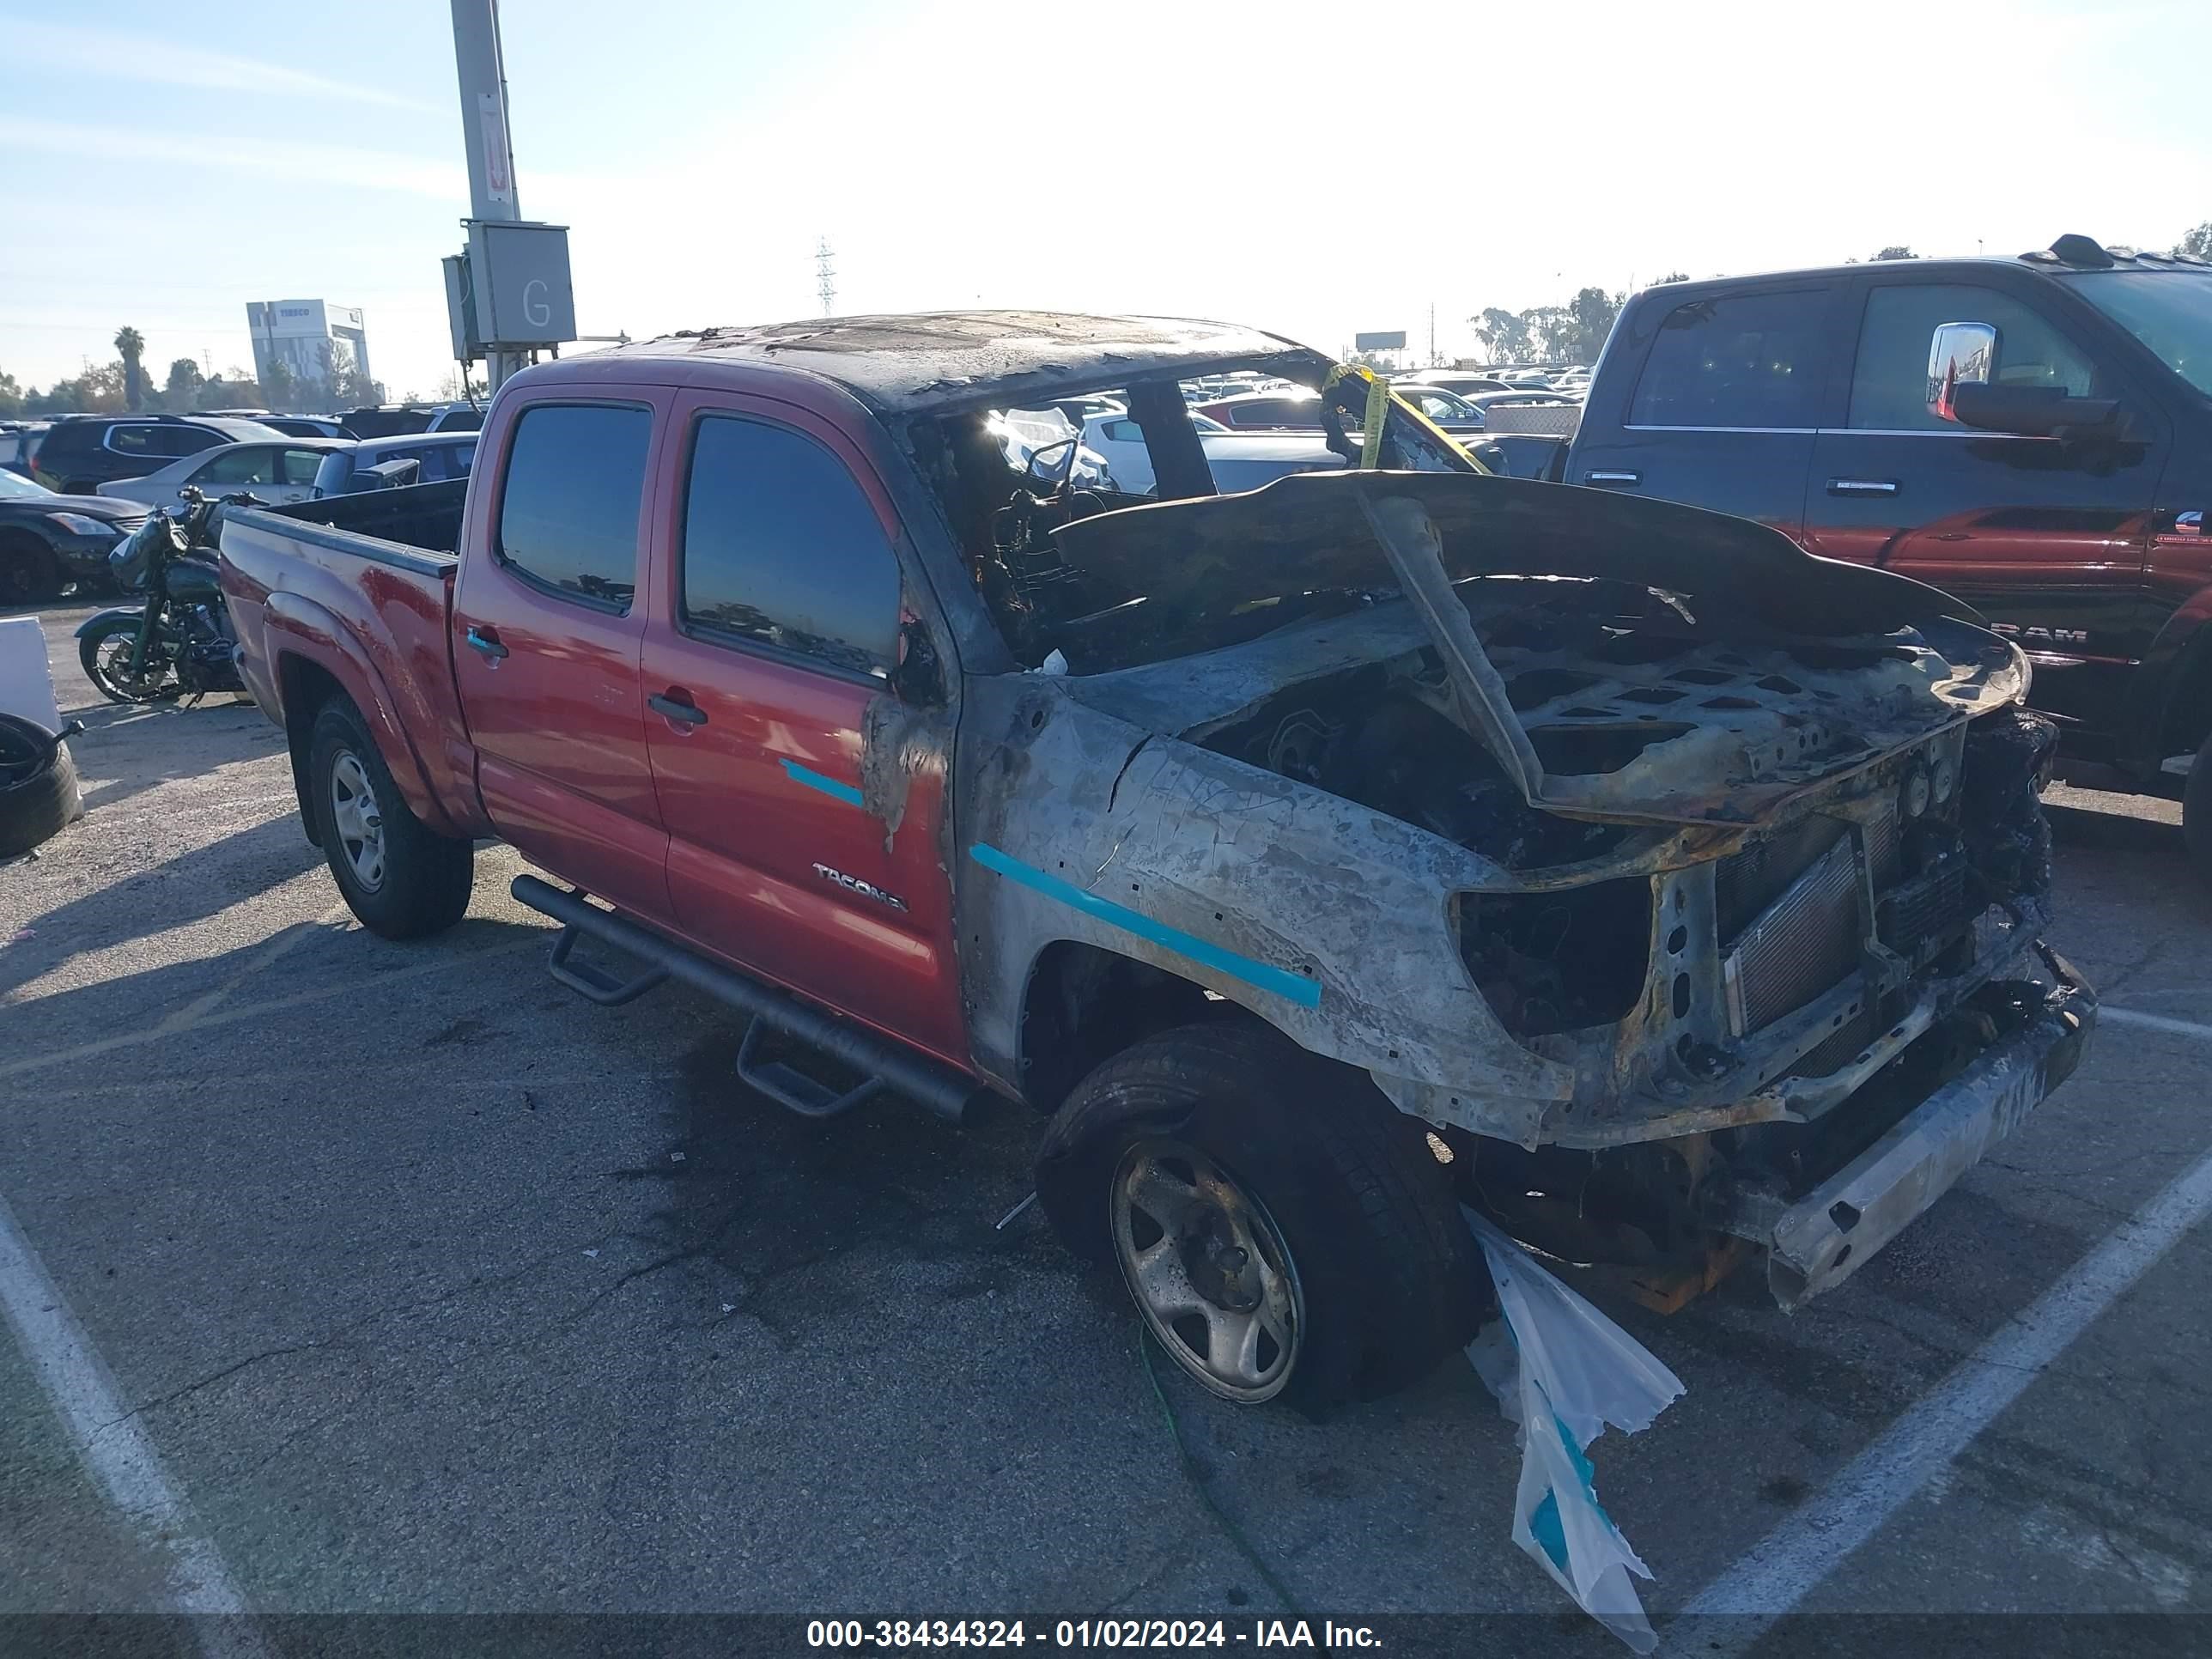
point(104, 653)
point(399, 877)
point(1284, 1231)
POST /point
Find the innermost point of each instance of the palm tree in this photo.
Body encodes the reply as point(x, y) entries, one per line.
point(132, 344)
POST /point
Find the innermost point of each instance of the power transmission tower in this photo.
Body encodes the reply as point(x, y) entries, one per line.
point(825, 276)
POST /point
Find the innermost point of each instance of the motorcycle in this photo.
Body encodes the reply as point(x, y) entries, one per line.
point(180, 642)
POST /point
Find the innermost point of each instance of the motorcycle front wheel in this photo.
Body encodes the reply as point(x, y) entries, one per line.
point(104, 653)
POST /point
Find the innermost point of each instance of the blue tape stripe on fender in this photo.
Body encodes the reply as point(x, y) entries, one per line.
point(814, 779)
point(1295, 987)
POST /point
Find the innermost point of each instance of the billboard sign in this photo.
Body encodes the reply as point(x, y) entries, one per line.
point(1392, 340)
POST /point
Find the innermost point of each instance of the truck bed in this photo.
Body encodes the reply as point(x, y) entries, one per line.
point(358, 590)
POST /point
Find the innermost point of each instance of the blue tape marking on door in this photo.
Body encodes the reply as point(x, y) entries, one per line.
point(814, 779)
point(1296, 987)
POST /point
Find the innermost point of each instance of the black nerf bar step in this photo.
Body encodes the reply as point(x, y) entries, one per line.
point(942, 1089)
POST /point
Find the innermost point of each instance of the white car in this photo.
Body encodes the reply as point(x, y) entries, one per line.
point(277, 472)
point(1238, 460)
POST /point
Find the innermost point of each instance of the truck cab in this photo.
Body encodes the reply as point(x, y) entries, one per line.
point(2032, 435)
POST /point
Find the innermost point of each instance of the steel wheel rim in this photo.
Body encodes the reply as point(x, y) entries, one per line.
point(1208, 1269)
point(358, 820)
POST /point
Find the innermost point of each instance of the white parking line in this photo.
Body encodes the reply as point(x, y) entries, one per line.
point(118, 1455)
point(1781, 1570)
point(2155, 1023)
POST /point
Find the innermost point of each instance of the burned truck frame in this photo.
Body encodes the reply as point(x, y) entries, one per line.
point(1679, 885)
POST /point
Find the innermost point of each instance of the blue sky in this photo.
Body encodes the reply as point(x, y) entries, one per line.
point(1314, 170)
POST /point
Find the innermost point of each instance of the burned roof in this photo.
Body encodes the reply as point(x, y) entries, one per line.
point(909, 363)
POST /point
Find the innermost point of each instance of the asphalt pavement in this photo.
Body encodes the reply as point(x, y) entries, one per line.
point(430, 1288)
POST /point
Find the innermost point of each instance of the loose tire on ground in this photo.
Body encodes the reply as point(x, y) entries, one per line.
point(400, 878)
point(2197, 812)
point(38, 789)
point(1384, 1275)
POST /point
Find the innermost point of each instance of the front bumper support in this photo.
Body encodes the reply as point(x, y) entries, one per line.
point(1816, 1242)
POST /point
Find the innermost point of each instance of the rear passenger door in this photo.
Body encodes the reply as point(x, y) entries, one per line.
point(1722, 407)
point(777, 623)
point(2049, 538)
point(547, 623)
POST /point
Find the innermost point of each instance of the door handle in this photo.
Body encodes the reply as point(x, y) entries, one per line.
point(1604, 477)
point(484, 642)
point(674, 705)
point(1862, 486)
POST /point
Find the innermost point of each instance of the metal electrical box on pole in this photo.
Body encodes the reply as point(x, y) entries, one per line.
point(508, 292)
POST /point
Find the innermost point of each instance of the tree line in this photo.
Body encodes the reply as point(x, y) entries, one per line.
point(122, 385)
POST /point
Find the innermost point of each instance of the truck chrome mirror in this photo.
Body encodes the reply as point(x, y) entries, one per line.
point(1958, 352)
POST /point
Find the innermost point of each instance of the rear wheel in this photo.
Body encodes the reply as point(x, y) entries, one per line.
point(27, 571)
point(1284, 1231)
point(402, 879)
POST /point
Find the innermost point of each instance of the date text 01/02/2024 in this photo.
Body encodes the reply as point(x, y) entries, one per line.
point(880, 1635)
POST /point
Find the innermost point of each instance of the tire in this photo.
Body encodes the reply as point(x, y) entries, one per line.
point(28, 572)
point(37, 785)
point(103, 674)
point(2197, 812)
point(401, 879)
point(1283, 1154)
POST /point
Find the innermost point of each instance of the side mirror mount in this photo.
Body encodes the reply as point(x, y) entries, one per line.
point(1958, 354)
point(916, 678)
point(2034, 412)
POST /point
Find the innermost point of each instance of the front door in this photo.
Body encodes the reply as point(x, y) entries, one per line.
point(777, 620)
point(2047, 537)
point(546, 631)
point(1723, 405)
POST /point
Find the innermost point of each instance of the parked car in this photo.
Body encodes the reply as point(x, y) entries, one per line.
point(49, 542)
point(280, 471)
point(1279, 845)
point(2034, 435)
point(1461, 381)
point(1448, 409)
point(457, 417)
point(19, 441)
point(79, 453)
point(1237, 460)
point(308, 425)
point(349, 468)
point(389, 419)
point(1297, 411)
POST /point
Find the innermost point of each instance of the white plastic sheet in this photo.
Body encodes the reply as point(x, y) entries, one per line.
point(1569, 1373)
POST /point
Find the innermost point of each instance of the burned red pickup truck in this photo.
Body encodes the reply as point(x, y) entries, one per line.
point(1319, 857)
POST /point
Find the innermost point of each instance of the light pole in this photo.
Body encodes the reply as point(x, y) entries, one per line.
point(485, 134)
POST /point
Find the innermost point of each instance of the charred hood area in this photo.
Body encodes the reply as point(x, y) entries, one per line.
point(1583, 654)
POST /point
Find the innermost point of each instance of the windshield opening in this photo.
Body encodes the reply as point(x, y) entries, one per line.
point(2169, 310)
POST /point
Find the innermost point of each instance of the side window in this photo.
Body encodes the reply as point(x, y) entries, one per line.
point(1741, 360)
point(247, 464)
point(1889, 382)
point(299, 465)
point(781, 547)
point(178, 441)
point(131, 440)
point(1123, 432)
point(568, 506)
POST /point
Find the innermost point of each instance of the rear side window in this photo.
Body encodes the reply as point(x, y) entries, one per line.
point(132, 441)
point(568, 510)
point(178, 441)
point(781, 547)
point(249, 463)
point(1742, 359)
point(1889, 383)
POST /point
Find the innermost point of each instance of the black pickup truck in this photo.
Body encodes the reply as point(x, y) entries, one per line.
point(2034, 435)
